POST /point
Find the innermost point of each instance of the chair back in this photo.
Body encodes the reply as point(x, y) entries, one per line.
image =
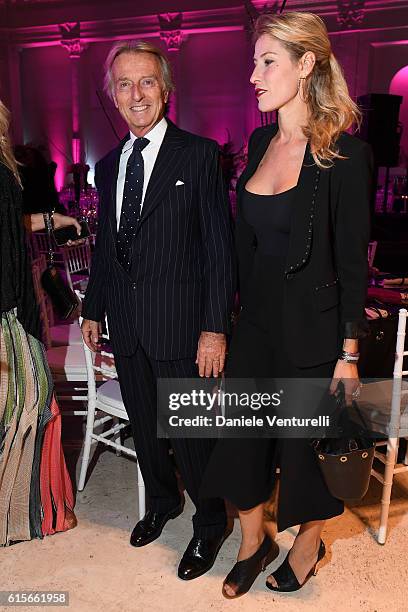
point(400, 351)
point(372, 247)
point(40, 244)
point(99, 366)
point(77, 258)
point(397, 387)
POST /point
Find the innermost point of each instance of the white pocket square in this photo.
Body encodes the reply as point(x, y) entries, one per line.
point(179, 183)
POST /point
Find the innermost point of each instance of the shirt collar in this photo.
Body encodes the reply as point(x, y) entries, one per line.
point(155, 135)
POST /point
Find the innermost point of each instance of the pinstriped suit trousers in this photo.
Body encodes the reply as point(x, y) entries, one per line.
point(137, 377)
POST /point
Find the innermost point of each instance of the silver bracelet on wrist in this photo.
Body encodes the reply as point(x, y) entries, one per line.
point(49, 221)
point(349, 357)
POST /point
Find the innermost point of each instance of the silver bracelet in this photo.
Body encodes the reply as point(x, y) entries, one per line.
point(349, 357)
point(48, 221)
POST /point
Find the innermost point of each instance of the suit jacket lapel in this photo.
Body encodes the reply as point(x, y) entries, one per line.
point(172, 155)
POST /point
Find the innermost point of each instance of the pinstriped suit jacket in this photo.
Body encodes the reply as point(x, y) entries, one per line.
point(182, 275)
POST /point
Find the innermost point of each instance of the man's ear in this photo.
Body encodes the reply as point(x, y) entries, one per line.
point(115, 101)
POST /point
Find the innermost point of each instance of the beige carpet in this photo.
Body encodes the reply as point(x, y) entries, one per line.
point(103, 573)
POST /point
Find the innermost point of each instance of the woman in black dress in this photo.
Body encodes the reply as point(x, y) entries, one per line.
point(302, 236)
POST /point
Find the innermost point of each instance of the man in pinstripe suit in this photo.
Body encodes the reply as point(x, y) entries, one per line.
point(163, 272)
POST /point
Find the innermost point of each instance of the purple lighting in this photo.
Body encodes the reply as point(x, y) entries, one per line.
point(399, 86)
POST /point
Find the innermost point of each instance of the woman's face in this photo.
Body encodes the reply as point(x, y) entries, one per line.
point(275, 76)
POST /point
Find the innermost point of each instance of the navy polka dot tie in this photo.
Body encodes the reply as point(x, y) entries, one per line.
point(131, 203)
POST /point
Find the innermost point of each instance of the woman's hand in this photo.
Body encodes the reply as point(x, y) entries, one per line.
point(65, 221)
point(35, 223)
point(346, 373)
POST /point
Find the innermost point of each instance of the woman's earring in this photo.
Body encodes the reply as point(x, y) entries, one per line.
point(300, 89)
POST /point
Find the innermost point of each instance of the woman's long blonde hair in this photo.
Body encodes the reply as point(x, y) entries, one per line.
point(6, 149)
point(325, 91)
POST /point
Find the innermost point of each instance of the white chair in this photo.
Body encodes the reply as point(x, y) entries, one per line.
point(387, 395)
point(106, 398)
point(77, 262)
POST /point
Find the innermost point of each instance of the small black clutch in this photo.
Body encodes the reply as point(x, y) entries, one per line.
point(60, 293)
point(61, 236)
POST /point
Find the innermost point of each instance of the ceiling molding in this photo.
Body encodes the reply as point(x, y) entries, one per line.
point(228, 19)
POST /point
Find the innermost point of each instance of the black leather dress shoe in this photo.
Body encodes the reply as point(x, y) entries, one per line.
point(150, 527)
point(200, 556)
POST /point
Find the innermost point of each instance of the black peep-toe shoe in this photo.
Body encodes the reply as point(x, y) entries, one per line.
point(285, 576)
point(244, 573)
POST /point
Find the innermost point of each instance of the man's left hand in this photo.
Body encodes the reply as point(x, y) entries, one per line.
point(211, 353)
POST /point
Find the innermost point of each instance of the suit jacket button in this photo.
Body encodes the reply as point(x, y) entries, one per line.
point(133, 285)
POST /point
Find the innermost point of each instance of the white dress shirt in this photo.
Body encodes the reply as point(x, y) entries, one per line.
point(149, 154)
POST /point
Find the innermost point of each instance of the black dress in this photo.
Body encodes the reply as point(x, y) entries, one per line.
point(16, 284)
point(244, 470)
point(270, 217)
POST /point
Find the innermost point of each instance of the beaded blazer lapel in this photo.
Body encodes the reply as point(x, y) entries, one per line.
point(301, 233)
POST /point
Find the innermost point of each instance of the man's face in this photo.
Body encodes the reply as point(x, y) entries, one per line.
point(139, 92)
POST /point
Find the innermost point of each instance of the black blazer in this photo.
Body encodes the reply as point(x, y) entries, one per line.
point(181, 280)
point(326, 269)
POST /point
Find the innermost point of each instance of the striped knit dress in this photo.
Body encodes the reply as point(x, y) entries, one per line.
point(36, 496)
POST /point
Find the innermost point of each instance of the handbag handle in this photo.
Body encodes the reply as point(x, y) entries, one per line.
point(341, 405)
point(377, 310)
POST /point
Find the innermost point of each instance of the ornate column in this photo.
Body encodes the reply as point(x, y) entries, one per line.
point(13, 54)
point(252, 14)
point(171, 33)
point(70, 40)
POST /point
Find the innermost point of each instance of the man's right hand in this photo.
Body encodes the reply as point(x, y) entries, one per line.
point(91, 332)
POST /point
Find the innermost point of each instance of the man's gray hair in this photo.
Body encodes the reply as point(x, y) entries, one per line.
point(137, 46)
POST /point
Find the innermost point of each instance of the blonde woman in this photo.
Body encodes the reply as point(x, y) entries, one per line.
point(302, 234)
point(36, 496)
